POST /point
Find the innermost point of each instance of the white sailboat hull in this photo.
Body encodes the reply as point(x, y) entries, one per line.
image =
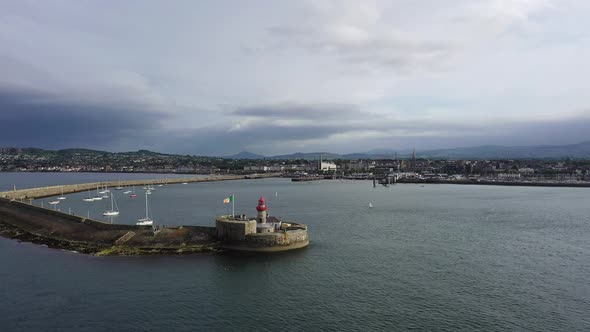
point(144, 222)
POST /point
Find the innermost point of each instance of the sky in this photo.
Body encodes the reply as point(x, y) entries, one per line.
point(274, 77)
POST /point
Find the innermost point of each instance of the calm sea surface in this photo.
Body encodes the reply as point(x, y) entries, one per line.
point(433, 257)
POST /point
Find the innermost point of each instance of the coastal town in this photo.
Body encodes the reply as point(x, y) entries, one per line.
point(412, 167)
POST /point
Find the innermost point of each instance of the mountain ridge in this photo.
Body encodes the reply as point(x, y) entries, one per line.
point(576, 151)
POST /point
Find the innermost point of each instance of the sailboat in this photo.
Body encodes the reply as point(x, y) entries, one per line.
point(127, 192)
point(104, 190)
point(133, 195)
point(88, 199)
point(370, 205)
point(97, 197)
point(62, 197)
point(112, 211)
point(145, 221)
point(54, 203)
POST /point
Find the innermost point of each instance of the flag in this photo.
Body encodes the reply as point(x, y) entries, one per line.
point(228, 200)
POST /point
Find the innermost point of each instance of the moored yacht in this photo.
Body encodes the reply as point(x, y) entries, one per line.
point(147, 220)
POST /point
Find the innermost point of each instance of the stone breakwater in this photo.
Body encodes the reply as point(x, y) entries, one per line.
point(55, 229)
point(519, 183)
point(26, 222)
point(34, 193)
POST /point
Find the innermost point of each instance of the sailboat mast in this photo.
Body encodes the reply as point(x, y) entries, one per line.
point(146, 206)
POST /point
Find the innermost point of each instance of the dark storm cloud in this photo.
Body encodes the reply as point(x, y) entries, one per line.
point(300, 111)
point(38, 119)
point(431, 135)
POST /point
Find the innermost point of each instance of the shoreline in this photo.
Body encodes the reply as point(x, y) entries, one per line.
point(498, 183)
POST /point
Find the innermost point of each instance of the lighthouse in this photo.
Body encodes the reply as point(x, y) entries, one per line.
point(261, 208)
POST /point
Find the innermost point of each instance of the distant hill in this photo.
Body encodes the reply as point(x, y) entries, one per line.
point(575, 151)
point(308, 156)
point(246, 155)
point(578, 151)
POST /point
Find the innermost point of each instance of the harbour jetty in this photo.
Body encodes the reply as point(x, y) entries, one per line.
point(40, 192)
point(26, 222)
point(487, 182)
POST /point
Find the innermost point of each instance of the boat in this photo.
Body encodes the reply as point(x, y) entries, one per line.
point(145, 221)
point(370, 205)
point(160, 185)
point(54, 203)
point(148, 192)
point(97, 197)
point(88, 199)
point(112, 211)
point(62, 197)
point(133, 195)
point(119, 188)
point(185, 183)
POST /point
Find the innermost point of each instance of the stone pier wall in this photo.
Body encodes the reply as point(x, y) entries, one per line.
point(33, 193)
point(25, 209)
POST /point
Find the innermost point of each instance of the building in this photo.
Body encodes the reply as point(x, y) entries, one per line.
point(326, 166)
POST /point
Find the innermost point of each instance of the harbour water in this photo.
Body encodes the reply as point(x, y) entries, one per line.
point(425, 257)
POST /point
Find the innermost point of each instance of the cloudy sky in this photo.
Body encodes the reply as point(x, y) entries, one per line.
point(217, 77)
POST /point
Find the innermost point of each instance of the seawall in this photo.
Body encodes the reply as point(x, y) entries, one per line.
point(31, 223)
point(499, 183)
point(33, 193)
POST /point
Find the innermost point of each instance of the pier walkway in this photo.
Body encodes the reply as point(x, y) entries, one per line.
point(40, 192)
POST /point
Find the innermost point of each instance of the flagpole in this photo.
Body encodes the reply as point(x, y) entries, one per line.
point(233, 214)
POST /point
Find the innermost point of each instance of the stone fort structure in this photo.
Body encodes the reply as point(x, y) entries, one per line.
point(263, 233)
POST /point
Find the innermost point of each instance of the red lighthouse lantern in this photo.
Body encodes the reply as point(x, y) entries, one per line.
point(261, 208)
